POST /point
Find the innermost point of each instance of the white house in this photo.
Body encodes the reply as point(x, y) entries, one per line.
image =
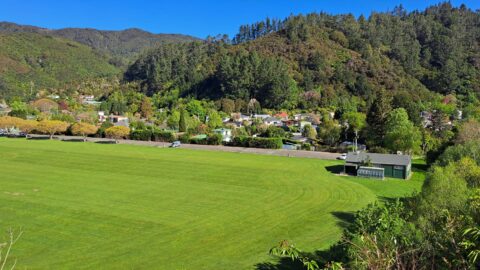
point(119, 120)
point(261, 116)
point(101, 116)
point(225, 132)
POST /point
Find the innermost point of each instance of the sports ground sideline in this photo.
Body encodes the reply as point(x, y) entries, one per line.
point(221, 148)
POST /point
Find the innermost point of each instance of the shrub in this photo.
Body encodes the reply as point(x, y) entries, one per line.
point(269, 143)
point(103, 127)
point(214, 139)
point(306, 146)
point(163, 136)
point(117, 132)
point(184, 138)
point(141, 135)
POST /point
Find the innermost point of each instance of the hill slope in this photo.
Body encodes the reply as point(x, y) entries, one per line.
point(31, 61)
point(321, 60)
point(124, 44)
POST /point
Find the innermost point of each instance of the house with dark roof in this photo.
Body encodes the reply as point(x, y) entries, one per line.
point(272, 121)
point(378, 165)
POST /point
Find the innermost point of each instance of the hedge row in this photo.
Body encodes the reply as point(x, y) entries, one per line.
point(212, 139)
point(152, 135)
point(258, 142)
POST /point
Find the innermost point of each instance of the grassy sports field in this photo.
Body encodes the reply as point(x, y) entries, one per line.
point(98, 206)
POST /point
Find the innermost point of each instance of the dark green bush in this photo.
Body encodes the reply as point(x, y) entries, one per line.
point(141, 135)
point(198, 141)
point(184, 138)
point(214, 139)
point(258, 142)
point(306, 146)
point(163, 136)
point(103, 127)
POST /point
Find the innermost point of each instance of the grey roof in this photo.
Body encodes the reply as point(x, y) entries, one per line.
point(271, 119)
point(353, 157)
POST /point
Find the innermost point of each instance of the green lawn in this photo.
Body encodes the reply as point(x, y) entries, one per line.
point(97, 206)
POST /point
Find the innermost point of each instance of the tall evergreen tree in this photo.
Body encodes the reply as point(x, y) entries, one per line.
point(377, 117)
point(182, 123)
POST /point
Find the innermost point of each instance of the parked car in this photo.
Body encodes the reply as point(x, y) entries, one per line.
point(175, 144)
point(342, 156)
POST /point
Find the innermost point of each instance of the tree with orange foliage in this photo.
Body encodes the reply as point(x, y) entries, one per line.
point(27, 126)
point(117, 132)
point(51, 127)
point(8, 122)
point(83, 129)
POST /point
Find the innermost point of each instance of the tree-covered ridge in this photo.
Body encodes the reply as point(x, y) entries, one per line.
point(121, 45)
point(439, 46)
point(328, 57)
point(30, 62)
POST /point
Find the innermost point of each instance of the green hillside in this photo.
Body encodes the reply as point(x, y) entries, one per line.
point(123, 46)
point(30, 61)
point(97, 206)
point(321, 60)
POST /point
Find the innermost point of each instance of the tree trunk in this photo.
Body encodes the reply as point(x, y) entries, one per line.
point(51, 136)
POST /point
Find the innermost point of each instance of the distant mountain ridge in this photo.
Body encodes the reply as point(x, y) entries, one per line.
point(123, 44)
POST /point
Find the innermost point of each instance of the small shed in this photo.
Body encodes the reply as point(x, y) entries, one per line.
point(394, 166)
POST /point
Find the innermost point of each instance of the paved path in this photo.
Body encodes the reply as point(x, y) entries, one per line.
point(273, 152)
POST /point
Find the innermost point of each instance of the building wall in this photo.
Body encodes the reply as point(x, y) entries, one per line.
point(391, 171)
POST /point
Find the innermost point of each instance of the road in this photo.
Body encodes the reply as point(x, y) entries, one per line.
point(273, 152)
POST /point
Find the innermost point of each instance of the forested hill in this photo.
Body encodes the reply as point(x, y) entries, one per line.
point(121, 45)
point(322, 60)
point(30, 62)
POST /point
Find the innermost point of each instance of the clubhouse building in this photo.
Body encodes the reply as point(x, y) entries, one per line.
point(375, 165)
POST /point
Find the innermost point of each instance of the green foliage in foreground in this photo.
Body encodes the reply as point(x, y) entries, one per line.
point(92, 206)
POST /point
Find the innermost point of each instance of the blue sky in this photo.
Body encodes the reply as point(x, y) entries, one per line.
point(195, 17)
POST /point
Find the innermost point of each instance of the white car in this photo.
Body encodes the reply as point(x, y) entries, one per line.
point(342, 156)
point(175, 144)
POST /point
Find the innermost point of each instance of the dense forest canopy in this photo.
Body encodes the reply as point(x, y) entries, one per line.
point(327, 58)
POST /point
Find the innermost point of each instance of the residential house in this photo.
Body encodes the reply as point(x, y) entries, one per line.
point(288, 123)
point(269, 121)
point(118, 120)
point(298, 137)
point(282, 116)
point(239, 118)
point(101, 116)
point(261, 116)
point(347, 144)
point(89, 100)
point(225, 132)
point(302, 124)
point(378, 165)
